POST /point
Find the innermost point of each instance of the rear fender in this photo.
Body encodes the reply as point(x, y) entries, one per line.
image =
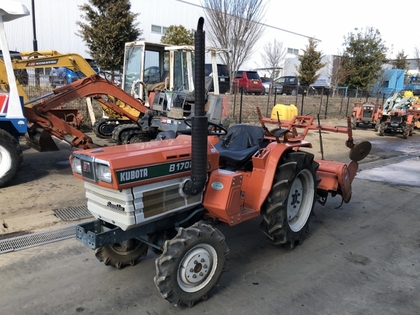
point(257, 184)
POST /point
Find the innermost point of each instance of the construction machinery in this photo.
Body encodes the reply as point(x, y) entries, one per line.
point(163, 76)
point(396, 117)
point(78, 64)
point(52, 126)
point(168, 195)
point(12, 120)
point(366, 114)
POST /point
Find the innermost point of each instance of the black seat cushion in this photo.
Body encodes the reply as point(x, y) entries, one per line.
point(240, 143)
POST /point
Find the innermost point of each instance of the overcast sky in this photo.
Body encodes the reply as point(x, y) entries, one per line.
point(331, 20)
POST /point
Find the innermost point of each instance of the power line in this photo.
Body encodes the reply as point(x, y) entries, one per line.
point(263, 24)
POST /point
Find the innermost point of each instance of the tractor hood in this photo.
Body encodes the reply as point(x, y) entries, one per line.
point(125, 166)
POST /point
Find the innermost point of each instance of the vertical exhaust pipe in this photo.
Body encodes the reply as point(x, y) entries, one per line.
point(199, 121)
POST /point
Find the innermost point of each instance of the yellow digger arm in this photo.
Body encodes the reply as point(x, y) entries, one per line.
point(52, 59)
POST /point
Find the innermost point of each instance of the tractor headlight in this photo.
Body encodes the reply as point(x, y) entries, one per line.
point(76, 165)
point(103, 173)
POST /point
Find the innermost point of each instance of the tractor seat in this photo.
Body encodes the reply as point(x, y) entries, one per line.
point(239, 144)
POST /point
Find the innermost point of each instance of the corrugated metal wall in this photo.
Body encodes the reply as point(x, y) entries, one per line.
point(56, 23)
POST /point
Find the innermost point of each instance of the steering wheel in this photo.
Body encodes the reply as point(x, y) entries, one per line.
point(213, 129)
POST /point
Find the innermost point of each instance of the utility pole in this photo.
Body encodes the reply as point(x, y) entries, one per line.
point(35, 43)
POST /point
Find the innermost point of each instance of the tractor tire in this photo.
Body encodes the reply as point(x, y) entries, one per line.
point(381, 129)
point(191, 264)
point(10, 157)
point(354, 123)
point(119, 255)
point(407, 131)
point(290, 203)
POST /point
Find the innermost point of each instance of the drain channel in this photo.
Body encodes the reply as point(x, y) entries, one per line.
point(73, 213)
point(36, 239)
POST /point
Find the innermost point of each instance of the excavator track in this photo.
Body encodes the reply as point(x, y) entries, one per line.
point(130, 133)
point(104, 127)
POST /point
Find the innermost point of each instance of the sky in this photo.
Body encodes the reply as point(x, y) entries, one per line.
point(330, 21)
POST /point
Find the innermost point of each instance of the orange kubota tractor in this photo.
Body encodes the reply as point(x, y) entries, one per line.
point(366, 114)
point(167, 195)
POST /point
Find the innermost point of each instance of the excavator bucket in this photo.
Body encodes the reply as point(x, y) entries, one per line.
point(40, 140)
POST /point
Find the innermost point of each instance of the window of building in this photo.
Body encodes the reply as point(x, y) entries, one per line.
point(159, 29)
point(293, 51)
point(156, 29)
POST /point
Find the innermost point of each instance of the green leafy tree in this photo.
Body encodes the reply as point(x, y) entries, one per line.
point(310, 63)
point(110, 24)
point(400, 61)
point(362, 59)
point(178, 35)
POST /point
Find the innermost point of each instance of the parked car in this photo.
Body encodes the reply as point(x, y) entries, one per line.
point(288, 85)
point(248, 82)
point(223, 74)
point(266, 82)
point(20, 74)
point(63, 76)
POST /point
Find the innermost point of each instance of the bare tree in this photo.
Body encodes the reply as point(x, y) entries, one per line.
point(417, 57)
point(272, 57)
point(235, 25)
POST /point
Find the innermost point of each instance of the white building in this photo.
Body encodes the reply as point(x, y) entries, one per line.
point(55, 26)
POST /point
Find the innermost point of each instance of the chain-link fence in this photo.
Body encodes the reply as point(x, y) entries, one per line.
point(336, 103)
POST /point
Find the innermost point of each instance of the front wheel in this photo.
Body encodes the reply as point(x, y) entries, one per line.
point(288, 207)
point(10, 157)
point(119, 255)
point(191, 264)
point(381, 129)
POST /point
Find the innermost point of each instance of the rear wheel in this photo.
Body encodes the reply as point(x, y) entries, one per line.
point(191, 264)
point(288, 207)
point(119, 255)
point(10, 157)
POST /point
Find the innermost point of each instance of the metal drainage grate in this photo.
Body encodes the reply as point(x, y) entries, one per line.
point(73, 213)
point(35, 239)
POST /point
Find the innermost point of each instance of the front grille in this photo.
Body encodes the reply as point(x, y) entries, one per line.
point(164, 199)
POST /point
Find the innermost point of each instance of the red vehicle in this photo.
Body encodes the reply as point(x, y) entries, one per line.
point(248, 82)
